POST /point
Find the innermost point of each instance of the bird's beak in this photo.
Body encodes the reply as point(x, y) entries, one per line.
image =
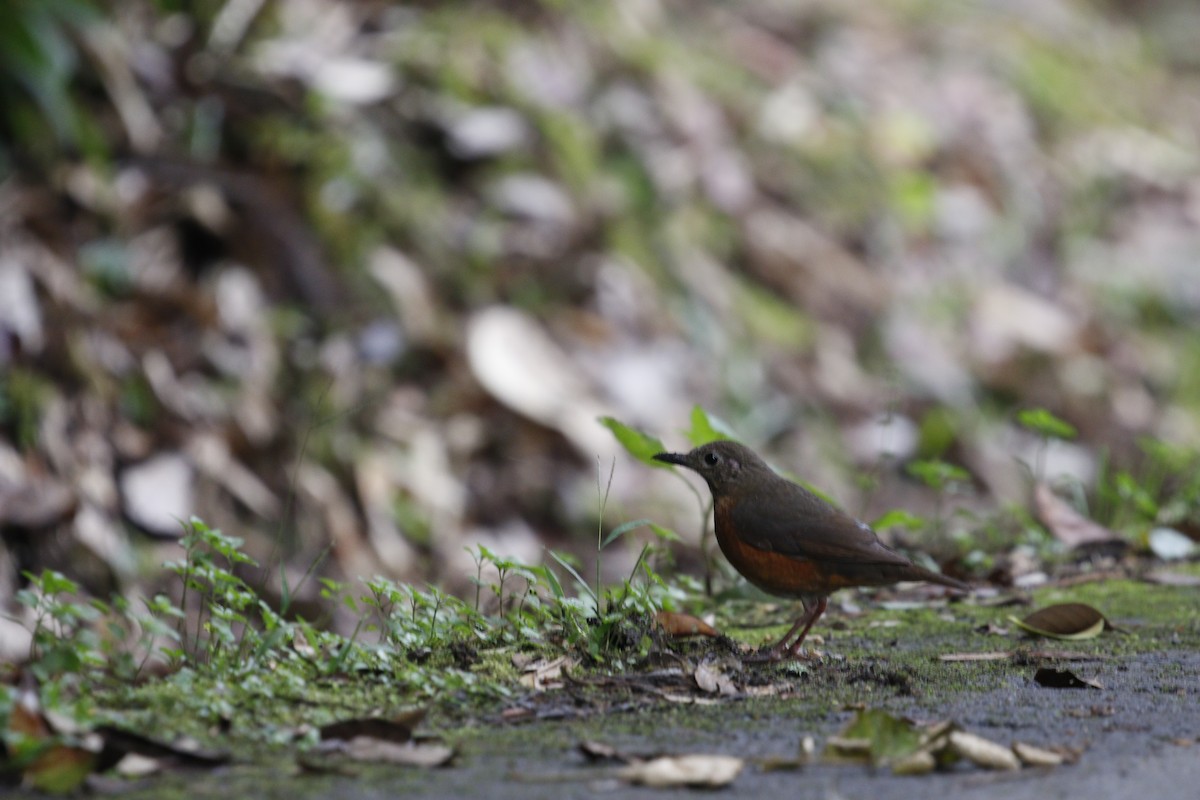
point(672, 458)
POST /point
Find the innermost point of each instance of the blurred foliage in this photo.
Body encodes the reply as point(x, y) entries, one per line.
point(39, 63)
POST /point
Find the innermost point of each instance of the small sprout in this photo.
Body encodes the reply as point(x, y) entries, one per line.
point(1045, 424)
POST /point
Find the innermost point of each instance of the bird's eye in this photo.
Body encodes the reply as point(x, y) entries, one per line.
point(711, 459)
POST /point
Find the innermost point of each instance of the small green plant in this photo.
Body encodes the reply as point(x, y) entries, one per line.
point(704, 428)
point(944, 479)
point(63, 640)
point(1048, 427)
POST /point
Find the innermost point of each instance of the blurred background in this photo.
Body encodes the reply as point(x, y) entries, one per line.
point(353, 280)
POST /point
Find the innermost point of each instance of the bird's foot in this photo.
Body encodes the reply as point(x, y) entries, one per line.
point(766, 656)
point(775, 654)
point(802, 654)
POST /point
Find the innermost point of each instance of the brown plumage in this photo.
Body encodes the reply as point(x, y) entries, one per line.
point(789, 542)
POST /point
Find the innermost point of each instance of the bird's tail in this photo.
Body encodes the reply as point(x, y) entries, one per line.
point(915, 573)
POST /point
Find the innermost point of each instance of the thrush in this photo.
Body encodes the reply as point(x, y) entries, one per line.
point(789, 542)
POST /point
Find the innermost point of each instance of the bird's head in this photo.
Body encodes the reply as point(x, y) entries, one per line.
point(724, 465)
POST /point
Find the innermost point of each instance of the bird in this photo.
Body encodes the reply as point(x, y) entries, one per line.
point(789, 542)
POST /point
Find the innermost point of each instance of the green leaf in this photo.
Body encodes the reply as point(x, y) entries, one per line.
point(707, 428)
point(562, 562)
point(641, 446)
point(621, 530)
point(1043, 423)
point(937, 474)
point(874, 735)
point(551, 580)
point(666, 534)
point(899, 518)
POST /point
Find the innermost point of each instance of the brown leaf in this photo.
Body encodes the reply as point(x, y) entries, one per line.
point(61, 769)
point(593, 750)
point(677, 624)
point(398, 729)
point(1064, 679)
point(119, 742)
point(389, 741)
point(1065, 621)
point(1068, 525)
point(58, 768)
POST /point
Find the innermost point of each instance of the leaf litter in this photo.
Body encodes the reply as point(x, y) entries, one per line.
point(879, 739)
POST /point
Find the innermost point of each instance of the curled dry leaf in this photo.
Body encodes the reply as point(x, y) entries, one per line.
point(712, 680)
point(389, 741)
point(921, 762)
point(702, 771)
point(1064, 679)
point(545, 673)
point(983, 752)
point(1072, 621)
point(137, 766)
point(396, 729)
point(185, 751)
point(594, 751)
point(1036, 756)
point(1068, 525)
point(406, 754)
point(679, 625)
point(1171, 545)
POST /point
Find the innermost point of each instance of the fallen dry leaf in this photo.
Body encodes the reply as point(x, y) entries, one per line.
point(1064, 679)
point(186, 751)
point(921, 762)
point(545, 673)
point(394, 729)
point(677, 624)
point(1170, 545)
point(137, 766)
point(1068, 525)
point(1036, 756)
point(57, 768)
point(389, 741)
point(876, 737)
point(1072, 621)
point(983, 752)
point(995, 655)
point(599, 751)
point(712, 680)
point(667, 772)
point(407, 754)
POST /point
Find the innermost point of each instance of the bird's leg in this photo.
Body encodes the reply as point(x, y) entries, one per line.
point(813, 609)
point(812, 616)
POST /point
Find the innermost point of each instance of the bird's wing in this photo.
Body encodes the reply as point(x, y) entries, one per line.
point(810, 528)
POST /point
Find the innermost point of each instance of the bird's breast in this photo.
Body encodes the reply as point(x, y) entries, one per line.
point(775, 573)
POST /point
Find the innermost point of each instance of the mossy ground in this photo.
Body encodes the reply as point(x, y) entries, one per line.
point(879, 658)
